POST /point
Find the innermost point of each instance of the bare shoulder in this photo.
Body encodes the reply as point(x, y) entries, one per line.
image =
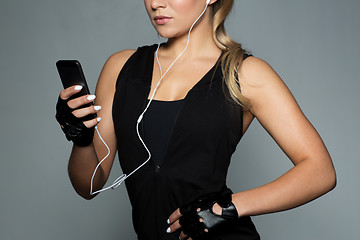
point(116, 61)
point(259, 81)
point(119, 58)
point(257, 72)
point(112, 68)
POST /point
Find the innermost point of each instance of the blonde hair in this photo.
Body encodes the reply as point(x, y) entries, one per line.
point(232, 51)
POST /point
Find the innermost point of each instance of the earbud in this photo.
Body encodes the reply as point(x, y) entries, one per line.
point(208, 1)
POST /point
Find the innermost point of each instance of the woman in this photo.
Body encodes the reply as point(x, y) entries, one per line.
point(204, 104)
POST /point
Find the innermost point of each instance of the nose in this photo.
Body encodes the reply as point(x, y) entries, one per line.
point(155, 4)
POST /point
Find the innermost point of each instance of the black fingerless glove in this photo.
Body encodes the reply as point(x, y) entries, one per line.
point(73, 127)
point(211, 223)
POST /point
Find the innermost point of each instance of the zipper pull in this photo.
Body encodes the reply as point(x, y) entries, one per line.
point(157, 169)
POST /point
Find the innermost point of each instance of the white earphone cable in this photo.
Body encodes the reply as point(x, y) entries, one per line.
point(123, 177)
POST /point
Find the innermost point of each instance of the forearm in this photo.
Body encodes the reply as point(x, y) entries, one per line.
point(301, 184)
point(82, 163)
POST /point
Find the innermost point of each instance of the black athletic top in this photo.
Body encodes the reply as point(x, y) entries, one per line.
point(204, 135)
point(159, 120)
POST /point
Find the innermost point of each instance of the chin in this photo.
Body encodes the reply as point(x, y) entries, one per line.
point(167, 34)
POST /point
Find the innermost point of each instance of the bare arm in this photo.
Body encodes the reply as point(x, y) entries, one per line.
point(273, 105)
point(83, 160)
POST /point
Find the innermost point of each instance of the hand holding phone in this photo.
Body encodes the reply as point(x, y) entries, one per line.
point(72, 124)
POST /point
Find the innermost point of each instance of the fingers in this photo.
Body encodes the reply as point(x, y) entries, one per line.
point(68, 92)
point(174, 227)
point(92, 122)
point(80, 101)
point(76, 102)
point(79, 113)
point(183, 236)
point(82, 112)
point(174, 216)
point(217, 209)
point(173, 221)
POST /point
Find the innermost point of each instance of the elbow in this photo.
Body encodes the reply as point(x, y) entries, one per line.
point(332, 177)
point(86, 196)
point(323, 178)
point(83, 192)
point(326, 174)
point(330, 180)
point(82, 188)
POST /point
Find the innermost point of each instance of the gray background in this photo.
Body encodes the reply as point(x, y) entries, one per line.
point(313, 45)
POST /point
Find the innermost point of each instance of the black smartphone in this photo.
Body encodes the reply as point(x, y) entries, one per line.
point(71, 74)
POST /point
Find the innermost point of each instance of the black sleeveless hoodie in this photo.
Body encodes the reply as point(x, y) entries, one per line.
point(205, 134)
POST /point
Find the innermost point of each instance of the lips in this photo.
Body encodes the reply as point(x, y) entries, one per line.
point(161, 20)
